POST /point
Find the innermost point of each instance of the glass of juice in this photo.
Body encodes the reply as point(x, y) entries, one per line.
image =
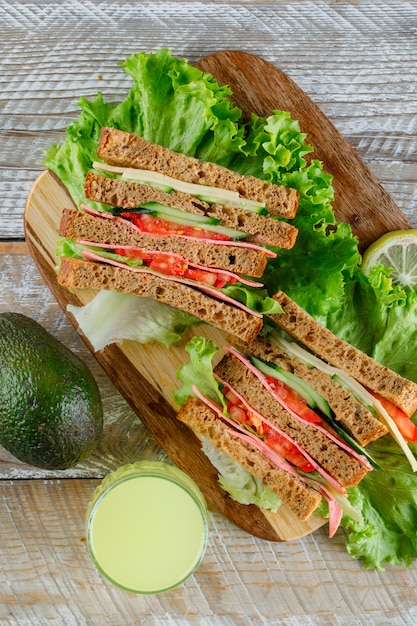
point(147, 527)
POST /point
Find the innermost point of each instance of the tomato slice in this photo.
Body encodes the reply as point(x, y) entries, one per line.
point(148, 223)
point(405, 425)
point(274, 440)
point(293, 400)
point(175, 265)
point(209, 278)
point(286, 449)
point(132, 253)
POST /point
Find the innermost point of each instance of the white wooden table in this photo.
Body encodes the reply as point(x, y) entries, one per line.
point(358, 61)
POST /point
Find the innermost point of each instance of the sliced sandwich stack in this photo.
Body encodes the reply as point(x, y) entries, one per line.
point(190, 234)
point(298, 413)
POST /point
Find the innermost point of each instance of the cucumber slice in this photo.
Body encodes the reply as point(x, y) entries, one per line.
point(313, 400)
point(310, 395)
point(167, 212)
point(355, 388)
point(191, 219)
point(240, 203)
point(353, 443)
point(205, 193)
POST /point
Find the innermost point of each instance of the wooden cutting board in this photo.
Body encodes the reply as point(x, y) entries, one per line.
point(145, 374)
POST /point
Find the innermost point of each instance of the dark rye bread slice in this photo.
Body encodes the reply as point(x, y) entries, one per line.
point(347, 470)
point(301, 499)
point(79, 225)
point(264, 230)
point(355, 418)
point(91, 275)
point(129, 150)
point(320, 340)
point(118, 192)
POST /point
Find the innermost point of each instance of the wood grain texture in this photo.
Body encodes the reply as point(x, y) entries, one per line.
point(241, 581)
point(357, 62)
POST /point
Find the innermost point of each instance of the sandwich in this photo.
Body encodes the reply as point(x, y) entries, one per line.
point(187, 233)
point(210, 280)
point(296, 423)
point(141, 175)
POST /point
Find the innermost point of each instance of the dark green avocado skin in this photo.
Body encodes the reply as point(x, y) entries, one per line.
point(51, 414)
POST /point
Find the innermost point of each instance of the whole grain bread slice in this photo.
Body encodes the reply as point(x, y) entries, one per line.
point(355, 418)
point(79, 225)
point(343, 467)
point(76, 273)
point(263, 229)
point(301, 499)
point(118, 192)
point(337, 352)
point(117, 147)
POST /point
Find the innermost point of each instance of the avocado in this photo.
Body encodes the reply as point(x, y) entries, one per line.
point(51, 414)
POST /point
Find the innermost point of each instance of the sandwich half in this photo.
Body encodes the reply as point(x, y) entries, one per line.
point(129, 196)
point(241, 406)
point(378, 378)
point(207, 279)
point(141, 176)
point(298, 422)
point(123, 149)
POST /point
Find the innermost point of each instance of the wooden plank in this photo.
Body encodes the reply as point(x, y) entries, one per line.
point(13, 247)
point(48, 578)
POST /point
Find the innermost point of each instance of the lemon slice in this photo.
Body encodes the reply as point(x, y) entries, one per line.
point(398, 250)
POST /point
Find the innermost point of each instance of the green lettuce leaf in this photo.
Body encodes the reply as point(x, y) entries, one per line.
point(325, 250)
point(387, 500)
point(198, 371)
point(170, 103)
point(113, 317)
point(380, 319)
point(254, 298)
point(238, 482)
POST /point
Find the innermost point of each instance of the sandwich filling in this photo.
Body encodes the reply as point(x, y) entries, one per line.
point(291, 435)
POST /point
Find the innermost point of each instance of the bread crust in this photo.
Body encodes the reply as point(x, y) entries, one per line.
point(337, 352)
point(129, 195)
point(80, 274)
point(301, 499)
point(129, 150)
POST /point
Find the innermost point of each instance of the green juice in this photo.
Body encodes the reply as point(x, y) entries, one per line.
point(147, 527)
